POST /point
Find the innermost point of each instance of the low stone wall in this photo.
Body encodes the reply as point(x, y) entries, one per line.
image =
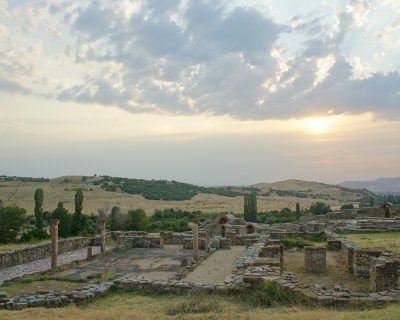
point(170, 237)
point(314, 259)
point(141, 241)
point(115, 234)
point(333, 245)
point(303, 235)
point(55, 298)
point(188, 243)
point(270, 251)
point(15, 257)
point(362, 258)
point(132, 283)
point(384, 274)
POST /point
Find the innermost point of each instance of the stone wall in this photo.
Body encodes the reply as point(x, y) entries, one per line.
point(384, 274)
point(333, 245)
point(188, 243)
point(362, 258)
point(315, 259)
point(170, 237)
point(39, 251)
point(145, 241)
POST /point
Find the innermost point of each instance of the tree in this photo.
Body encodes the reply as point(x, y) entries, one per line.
point(12, 218)
point(319, 208)
point(137, 220)
point(64, 228)
point(298, 212)
point(371, 201)
point(117, 219)
point(250, 207)
point(76, 224)
point(39, 198)
point(347, 206)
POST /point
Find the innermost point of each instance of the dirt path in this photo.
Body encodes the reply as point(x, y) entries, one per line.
point(217, 267)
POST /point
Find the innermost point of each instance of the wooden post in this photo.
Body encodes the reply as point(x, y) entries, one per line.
point(195, 231)
point(54, 242)
point(207, 239)
point(103, 236)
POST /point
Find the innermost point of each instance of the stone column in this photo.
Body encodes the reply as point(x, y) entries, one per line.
point(281, 256)
point(103, 236)
point(195, 231)
point(89, 253)
point(54, 242)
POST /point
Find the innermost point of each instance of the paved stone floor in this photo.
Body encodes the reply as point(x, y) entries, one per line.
point(217, 267)
point(42, 265)
point(155, 264)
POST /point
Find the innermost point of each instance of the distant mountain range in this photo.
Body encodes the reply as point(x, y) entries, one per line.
point(381, 185)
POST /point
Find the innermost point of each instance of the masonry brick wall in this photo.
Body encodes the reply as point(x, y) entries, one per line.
point(39, 251)
point(315, 259)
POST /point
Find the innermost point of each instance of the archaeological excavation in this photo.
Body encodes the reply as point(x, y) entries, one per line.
point(311, 260)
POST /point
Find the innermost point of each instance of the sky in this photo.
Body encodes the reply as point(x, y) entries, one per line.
point(208, 92)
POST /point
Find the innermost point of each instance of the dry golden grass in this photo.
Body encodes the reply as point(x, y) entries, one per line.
point(336, 274)
point(389, 240)
point(21, 194)
point(131, 306)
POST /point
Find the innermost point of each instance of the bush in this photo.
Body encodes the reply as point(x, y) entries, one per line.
point(34, 234)
point(319, 208)
point(295, 242)
point(64, 228)
point(270, 293)
point(193, 305)
point(12, 218)
point(347, 206)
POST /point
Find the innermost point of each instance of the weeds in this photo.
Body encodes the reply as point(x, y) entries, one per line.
point(193, 305)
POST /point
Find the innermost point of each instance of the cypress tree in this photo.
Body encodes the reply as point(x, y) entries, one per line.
point(250, 207)
point(76, 225)
point(371, 201)
point(39, 198)
point(298, 212)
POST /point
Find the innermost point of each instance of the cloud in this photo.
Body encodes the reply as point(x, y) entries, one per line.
point(12, 87)
point(207, 57)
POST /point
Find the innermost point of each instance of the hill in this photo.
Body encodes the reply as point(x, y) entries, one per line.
point(105, 192)
point(381, 185)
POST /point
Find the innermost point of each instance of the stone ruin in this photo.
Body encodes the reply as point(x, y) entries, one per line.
point(262, 260)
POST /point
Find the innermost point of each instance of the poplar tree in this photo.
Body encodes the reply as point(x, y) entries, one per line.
point(76, 225)
point(250, 207)
point(39, 198)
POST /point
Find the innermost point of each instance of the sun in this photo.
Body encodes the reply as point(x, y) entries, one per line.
point(316, 125)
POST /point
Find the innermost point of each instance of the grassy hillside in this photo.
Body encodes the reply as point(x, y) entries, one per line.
point(131, 193)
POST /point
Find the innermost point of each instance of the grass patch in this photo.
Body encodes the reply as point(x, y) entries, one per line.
point(388, 240)
point(194, 305)
point(34, 283)
point(130, 306)
point(295, 242)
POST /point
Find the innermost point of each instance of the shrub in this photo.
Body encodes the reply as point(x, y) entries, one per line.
point(12, 218)
point(64, 228)
point(270, 293)
point(295, 242)
point(347, 206)
point(319, 208)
